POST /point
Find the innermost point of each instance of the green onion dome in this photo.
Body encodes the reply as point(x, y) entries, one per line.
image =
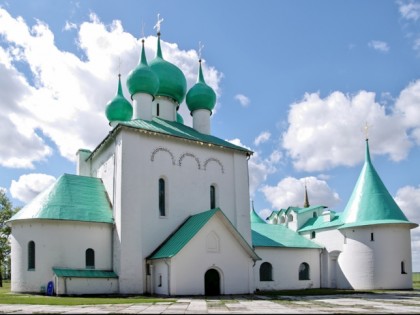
point(119, 109)
point(172, 82)
point(142, 79)
point(200, 96)
point(179, 118)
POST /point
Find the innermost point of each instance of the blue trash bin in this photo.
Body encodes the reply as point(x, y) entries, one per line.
point(50, 288)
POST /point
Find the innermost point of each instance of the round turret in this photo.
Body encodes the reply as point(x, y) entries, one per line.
point(172, 82)
point(142, 79)
point(201, 96)
point(119, 109)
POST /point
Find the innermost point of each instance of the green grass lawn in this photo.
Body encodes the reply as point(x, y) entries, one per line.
point(6, 297)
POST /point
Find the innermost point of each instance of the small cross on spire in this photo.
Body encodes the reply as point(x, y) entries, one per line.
point(200, 49)
point(157, 25)
point(366, 130)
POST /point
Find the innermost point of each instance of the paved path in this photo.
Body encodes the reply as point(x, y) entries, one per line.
point(400, 302)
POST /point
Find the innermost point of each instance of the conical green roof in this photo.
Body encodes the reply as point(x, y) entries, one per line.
point(172, 82)
point(119, 109)
point(142, 79)
point(255, 218)
point(201, 96)
point(370, 202)
point(71, 197)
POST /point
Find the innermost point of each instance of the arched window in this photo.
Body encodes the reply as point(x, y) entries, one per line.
point(304, 271)
point(212, 197)
point(266, 272)
point(282, 219)
point(31, 255)
point(290, 217)
point(403, 268)
point(90, 258)
point(162, 207)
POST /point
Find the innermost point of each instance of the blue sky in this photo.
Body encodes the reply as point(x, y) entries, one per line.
point(296, 82)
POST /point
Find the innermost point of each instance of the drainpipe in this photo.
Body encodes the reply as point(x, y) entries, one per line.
point(152, 275)
point(169, 275)
point(321, 251)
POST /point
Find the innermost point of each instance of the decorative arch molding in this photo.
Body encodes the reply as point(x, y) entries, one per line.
point(190, 155)
point(155, 151)
point(216, 161)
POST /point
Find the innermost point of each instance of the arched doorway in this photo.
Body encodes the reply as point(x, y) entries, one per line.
point(212, 282)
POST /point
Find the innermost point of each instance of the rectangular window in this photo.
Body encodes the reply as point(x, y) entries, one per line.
point(160, 280)
point(31, 255)
point(212, 197)
point(372, 238)
point(162, 209)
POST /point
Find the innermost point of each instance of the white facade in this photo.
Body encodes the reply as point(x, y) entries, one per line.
point(57, 244)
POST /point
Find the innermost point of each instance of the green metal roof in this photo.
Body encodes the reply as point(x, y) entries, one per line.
point(119, 109)
point(255, 218)
point(142, 79)
point(84, 273)
point(275, 235)
point(300, 210)
point(176, 129)
point(370, 202)
point(175, 242)
point(318, 223)
point(71, 197)
point(200, 96)
point(172, 82)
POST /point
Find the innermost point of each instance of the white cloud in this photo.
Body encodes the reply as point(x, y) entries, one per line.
point(407, 106)
point(258, 167)
point(3, 189)
point(28, 186)
point(243, 100)
point(408, 198)
point(379, 45)
point(409, 10)
point(290, 191)
point(70, 26)
point(326, 132)
point(262, 137)
point(67, 93)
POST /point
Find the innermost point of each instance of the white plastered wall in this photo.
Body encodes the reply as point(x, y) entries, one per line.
point(57, 244)
point(184, 273)
point(376, 264)
point(285, 264)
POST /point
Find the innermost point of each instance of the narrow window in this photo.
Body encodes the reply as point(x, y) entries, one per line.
point(313, 234)
point(162, 209)
point(148, 272)
point(372, 237)
point(282, 219)
point(160, 280)
point(290, 218)
point(304, 271)
point(31, 255)
point(90, 258)
point(314, 215)
point(212, 197)
point(403, 268)
point(157, 109)
point(266, 272)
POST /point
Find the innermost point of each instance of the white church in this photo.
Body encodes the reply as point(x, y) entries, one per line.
point(162, 208)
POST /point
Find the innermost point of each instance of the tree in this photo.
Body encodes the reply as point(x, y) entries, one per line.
point(6, 212)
